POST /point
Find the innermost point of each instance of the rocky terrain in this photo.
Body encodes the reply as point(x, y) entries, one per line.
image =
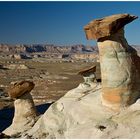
point(106, 109)
point(52, 80)
point(37, 63)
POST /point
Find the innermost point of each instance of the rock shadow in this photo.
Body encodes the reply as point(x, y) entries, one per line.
point(7, 114)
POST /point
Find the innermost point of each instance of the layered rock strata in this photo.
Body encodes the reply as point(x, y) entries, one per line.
point(25, 111)
point(120, 70)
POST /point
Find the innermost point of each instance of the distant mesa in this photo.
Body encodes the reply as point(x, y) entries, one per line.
point(48, 51)
point(49, 48)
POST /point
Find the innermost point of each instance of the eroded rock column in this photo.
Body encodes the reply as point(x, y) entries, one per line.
point(25, 111)
point(120, 70)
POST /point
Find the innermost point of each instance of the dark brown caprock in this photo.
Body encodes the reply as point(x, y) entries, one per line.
point(20, 88)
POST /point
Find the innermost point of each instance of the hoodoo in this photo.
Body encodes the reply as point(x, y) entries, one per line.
point(88, 75)
point(25, 111)
point(120, 64)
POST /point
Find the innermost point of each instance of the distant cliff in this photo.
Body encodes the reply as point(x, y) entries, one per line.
point(49, 48)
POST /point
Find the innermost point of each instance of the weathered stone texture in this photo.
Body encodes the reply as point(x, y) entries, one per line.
point(119, 70)
point(79, 116)
point(120, 64)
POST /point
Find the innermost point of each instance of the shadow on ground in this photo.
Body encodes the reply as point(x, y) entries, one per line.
point(7, 114)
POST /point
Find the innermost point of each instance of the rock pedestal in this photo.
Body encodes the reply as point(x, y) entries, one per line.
point(120, 70)
point(89, 76)
point(25, 111)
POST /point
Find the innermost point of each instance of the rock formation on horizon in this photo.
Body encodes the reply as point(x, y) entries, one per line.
point(120, 70)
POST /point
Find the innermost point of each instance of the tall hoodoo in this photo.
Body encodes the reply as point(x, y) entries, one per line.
point(25, 111)
point(120, 64)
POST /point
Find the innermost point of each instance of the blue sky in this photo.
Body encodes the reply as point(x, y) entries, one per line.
point(60, 22)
